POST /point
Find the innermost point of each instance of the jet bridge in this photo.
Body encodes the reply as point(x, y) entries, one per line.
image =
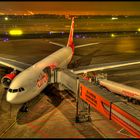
point(66, 80)
point(90, 95)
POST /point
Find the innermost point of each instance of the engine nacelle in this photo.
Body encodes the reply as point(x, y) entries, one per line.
point(6, 80)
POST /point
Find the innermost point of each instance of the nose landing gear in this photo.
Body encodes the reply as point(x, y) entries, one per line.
point(24, 108)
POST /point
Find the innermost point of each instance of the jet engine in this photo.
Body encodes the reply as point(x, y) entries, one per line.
point(6, 80)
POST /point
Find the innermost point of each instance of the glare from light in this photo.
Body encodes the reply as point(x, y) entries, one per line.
point(112, 35)
point(5, 39)
point(6, 18)
point(139, 29)
point(114, 18)
point(2, 13)
point(30, 12)
point(15, 32)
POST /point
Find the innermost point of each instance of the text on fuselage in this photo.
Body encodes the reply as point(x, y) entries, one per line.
point(43, 78)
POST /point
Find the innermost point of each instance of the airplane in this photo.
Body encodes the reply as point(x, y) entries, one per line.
point(26, 81)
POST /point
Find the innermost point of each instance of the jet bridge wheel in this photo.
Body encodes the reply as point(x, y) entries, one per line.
point(129, 99)
point(134, 101)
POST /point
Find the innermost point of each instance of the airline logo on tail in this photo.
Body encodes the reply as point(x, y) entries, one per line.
point(70, 40)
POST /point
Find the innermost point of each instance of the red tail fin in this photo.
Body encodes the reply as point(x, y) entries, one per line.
point(70, 40)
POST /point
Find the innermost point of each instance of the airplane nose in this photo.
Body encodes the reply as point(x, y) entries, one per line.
point(11, 98)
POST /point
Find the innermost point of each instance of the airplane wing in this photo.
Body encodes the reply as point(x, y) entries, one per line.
point(78, 46)
point(14, 64)
point(104, 66)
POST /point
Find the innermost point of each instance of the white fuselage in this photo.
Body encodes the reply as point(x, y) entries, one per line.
point(33, 79)
point(120, 88)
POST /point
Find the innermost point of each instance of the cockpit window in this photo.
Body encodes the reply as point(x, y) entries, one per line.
point(16, 90)
point(22, 89)
point(10, 90)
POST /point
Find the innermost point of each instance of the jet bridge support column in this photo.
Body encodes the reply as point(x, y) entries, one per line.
point(55, 75)
point(55, 80)
point(82, 108)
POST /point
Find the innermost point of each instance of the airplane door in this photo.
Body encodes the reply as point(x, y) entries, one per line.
point(47, 70)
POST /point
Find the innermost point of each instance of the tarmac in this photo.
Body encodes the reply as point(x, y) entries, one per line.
point(49, 117)
point(53, 116)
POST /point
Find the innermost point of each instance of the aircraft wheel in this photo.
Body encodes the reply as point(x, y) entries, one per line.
point(24, 109)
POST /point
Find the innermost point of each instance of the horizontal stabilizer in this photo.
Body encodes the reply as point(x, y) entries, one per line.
point(57, 44)
point(78, 46)
point(84, 45)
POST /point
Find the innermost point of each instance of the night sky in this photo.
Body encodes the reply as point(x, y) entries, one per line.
point(92, 7)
